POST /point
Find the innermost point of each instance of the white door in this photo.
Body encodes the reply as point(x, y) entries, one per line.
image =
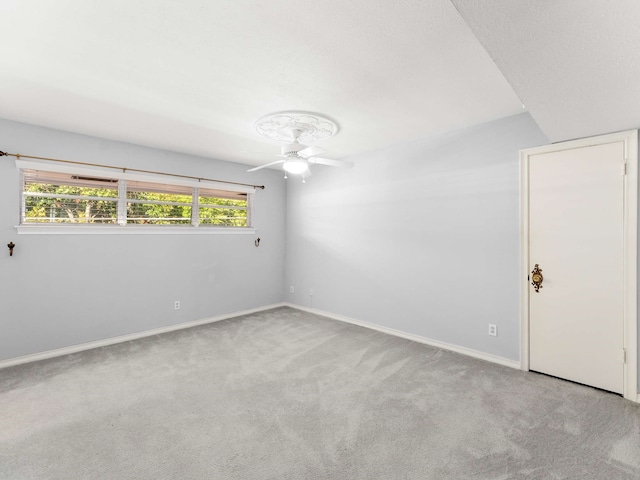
point(576, 234)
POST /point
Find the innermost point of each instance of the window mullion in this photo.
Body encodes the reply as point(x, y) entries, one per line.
point(23, 204)
point(195, 207)
point(249, 209)
point(122, 202)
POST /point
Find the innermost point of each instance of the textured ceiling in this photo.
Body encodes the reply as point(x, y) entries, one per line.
point(574, 63)
point(193, 75)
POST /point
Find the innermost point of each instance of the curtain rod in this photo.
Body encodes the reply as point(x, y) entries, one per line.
point(124, 170)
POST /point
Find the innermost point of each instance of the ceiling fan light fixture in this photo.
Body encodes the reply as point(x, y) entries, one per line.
point(295, 130)
point(296, 167)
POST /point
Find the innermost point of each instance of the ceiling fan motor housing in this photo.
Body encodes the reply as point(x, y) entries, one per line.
point(292, 149)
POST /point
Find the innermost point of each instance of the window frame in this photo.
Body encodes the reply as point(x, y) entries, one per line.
point(122, 227)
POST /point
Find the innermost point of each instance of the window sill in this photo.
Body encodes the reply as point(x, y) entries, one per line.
point(130, 230)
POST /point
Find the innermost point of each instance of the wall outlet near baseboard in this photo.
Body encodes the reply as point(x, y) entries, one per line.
point(311, 292)
point(176, 305)
point(291, 289)
point(493, 330)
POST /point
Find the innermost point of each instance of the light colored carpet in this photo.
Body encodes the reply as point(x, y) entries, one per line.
point(285, 394)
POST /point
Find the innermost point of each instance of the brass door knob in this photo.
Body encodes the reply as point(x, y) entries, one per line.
point(536, 278)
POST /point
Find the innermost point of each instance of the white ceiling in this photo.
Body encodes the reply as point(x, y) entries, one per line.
point(574, 63)
point(194, 75)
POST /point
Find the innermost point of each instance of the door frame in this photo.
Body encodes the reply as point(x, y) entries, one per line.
point(630, 249)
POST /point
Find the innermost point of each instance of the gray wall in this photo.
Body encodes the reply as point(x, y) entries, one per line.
point(422, 237)
point(61, 290)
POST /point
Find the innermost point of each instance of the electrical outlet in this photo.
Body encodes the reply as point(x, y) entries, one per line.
point(493, 330)
point(311, 292)
point(176, 305)
point(291, 289)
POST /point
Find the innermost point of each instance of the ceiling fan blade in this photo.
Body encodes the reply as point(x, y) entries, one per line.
point(311, 151)
point(261, 154)
point(265, 165)
point(328, 161)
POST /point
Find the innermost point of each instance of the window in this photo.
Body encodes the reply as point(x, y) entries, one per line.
point(131, 201)
point(158, 204)
point(51, 197)
point(217, 207)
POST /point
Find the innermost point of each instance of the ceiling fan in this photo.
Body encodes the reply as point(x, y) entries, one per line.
point(294, 127)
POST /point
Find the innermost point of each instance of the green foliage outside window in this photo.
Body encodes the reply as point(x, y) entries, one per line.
point(70, 210)
point(97, 205)
point(213, 211)
point(158, 213)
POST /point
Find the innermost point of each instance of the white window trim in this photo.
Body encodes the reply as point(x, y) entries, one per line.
point(78, 229)
point(75, 229)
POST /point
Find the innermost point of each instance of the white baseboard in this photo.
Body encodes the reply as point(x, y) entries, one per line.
point(10, 362)
point(172, 328)
point(416, 338)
